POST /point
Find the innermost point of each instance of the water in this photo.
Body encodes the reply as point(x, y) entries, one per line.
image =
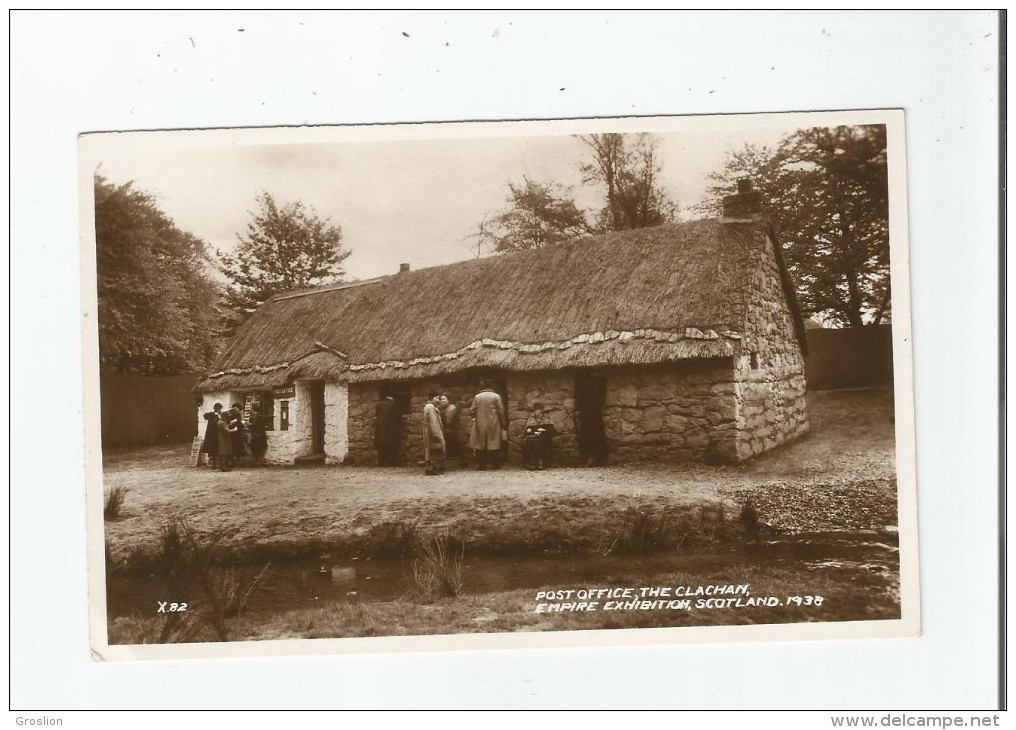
point(306, 583)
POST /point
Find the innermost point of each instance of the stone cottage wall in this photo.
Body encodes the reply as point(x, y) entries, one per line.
point(301, 422)
point(336, 422)
point(363, 399)
point(678, 412)
point(771, 387)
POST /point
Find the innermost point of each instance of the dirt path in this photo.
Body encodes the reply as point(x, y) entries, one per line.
point(846, 459)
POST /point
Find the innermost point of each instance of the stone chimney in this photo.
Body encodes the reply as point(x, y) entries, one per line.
point(746, 204)
point(403, 268)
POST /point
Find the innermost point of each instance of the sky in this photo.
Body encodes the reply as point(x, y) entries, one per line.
point(411, 194)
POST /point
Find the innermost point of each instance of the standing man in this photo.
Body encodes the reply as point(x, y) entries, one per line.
point(387, 424)
point(450, 419)
point(489, 427)
point(433, 436)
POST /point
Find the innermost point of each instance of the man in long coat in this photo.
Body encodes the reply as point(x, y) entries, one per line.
point(433, 437)
point(210, 444)
point(488, 424)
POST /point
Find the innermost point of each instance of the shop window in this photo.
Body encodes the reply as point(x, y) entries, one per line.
point(262, 402)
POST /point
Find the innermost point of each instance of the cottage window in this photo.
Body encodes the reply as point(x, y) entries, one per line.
point(754, 360)
point(266, 405)
point(268, 410)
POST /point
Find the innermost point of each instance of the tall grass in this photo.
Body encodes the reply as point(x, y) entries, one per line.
point(171, 553)
point(113, 502)
point(436, 569)
point(643, 530)
point(225, 592)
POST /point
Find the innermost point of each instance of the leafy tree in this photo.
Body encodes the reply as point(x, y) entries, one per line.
point(628, 168)
point(156, 301)
point(538, 214)
point(283, 248)
point(825, 192)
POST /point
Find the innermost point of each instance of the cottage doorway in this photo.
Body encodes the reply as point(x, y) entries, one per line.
point(317, 415)
point(590, 398)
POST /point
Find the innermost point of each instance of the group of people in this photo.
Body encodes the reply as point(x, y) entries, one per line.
point(228, 439)
point(487, 437)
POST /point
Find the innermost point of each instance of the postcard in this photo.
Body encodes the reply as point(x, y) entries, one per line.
point(489, 385)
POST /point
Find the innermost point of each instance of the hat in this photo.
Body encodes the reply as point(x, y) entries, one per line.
point(217, 407)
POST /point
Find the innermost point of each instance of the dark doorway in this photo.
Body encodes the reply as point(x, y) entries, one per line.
point(590, 398)
point(317, 414)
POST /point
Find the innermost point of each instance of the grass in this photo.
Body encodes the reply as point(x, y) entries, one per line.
point(436, 568)
point(113, 502)
point(849, 594)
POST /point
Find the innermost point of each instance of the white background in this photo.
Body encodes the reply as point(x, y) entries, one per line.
point(77, 72)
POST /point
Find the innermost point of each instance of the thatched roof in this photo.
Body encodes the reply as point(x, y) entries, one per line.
point(652, 295)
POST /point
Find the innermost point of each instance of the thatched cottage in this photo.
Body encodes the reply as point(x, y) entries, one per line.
point(679, 342)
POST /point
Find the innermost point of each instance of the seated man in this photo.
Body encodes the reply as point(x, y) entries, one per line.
point(536, 442)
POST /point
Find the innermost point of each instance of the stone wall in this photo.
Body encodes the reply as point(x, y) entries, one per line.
point(301, 422)
point(771, 388)
point(363, 398)
point(678, 412)
point(674, 412)
point(336, 422)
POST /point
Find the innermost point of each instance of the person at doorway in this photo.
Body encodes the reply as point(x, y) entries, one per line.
point(258, 438)
point(226, 432)
point(433, 437)
point(450, 419)
point(387, 424)
point(210, 444)
point(238, 432)
point(487, 436)
point(536, 439)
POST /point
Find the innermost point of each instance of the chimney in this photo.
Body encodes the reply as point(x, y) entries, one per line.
point(746, 204)
point(403, 268)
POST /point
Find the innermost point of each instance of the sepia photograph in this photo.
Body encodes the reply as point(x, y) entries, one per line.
point(648, 379)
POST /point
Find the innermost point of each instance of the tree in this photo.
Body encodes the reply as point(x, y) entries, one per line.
point(825, 192)
point(628, 168)
point(156, 301)
point(283, 248)
point(537, 214)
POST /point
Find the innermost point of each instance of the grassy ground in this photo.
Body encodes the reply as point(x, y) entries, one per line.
point(856, 595)
point(840, 477)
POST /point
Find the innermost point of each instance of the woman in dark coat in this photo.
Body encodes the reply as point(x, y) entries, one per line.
point(210, 444)
point(236, 421)
point(226, 433)
point(258, 437)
